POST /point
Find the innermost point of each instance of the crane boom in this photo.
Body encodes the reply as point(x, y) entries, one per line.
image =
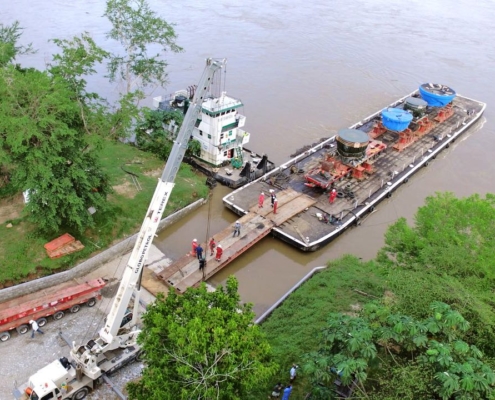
point(115, 333)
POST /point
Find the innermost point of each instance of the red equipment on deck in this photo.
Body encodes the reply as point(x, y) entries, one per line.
point(333, 169)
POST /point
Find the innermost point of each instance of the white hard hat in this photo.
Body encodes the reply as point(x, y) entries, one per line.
point(262, 193)
point(31, 321)
point(236, 222)
point(195, 240)
point(219, 245)
point(271, 190)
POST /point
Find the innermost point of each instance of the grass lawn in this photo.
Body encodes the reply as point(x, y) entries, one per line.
point(22, 255)
point(293, 328)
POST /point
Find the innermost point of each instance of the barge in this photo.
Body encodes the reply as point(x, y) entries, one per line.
point(347, 175)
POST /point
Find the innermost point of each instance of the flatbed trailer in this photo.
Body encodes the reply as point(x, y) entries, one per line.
point(54, 301)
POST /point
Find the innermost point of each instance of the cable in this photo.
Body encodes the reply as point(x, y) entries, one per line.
point(210, 200)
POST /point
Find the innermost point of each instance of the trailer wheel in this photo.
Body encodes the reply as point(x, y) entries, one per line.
point(91, 302)
point(42, 322)
point(22, 329)
point(80, 394)
point(4, 336)
point(58, 315)
point(75, 308)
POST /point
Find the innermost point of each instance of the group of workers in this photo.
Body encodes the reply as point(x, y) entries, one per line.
point(274, 201)
point(197, 250)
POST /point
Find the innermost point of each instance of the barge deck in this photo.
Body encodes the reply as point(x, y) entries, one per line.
point(322, 221)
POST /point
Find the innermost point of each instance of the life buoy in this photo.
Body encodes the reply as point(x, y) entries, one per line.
point(372, 208)
point(426, 164)
point(448, 145)
point(389, 195)
point(340, 195)
point(405, 180)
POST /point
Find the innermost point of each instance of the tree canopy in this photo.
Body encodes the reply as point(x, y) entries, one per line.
point(138, 28)
point(44, 144)
point(378, 341)
point(9, 43)
point(201, 345)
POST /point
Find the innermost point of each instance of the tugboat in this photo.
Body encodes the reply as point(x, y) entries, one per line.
point(219, 131)
point(337, 183)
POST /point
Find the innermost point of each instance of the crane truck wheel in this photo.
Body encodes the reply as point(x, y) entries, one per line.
point(75, 308)
point(80, 394)
point(4, 336)
point(91, 302)
point(22, 329)
point(42, 322)
point(58, 315)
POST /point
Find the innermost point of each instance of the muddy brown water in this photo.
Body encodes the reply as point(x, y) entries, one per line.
point(305, 70)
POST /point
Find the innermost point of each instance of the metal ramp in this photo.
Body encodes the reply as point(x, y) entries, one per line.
point(255, 225)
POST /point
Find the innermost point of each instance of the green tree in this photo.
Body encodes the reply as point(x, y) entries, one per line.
point(9, 47)
point(44, 145)
point(76, 61)
point(448, 256)
point(201, 345)
point(376, 341)
point(151, 134)
point(138, 29)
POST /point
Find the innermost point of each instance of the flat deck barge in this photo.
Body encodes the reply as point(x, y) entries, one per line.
point(390, 157)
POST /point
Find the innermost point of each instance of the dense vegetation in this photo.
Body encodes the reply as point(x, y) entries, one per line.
point(201, 345)
point(416, 322)
point(62, 145)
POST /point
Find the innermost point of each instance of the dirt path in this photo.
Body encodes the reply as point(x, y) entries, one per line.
point(10, 208)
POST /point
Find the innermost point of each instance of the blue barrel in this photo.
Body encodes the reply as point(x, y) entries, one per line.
point(396, 119)
point(436, 95)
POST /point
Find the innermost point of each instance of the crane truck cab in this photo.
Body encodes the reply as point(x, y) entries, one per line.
point(57, 381)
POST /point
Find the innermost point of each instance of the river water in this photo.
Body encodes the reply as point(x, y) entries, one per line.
point(305, 69)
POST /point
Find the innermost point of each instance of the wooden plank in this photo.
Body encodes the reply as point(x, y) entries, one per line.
point(236, 247)
point(283, 197)
point(185, 272)
point(153, 285)
point(288, 210)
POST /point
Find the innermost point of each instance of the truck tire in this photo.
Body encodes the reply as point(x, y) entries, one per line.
point(4, 336)
point(41, 322)
point(58, 315)
point(75, 308)
point(91, 302)
point(81, 394)
point(22, 329)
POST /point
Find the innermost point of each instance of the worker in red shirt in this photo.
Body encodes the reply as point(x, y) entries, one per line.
point(333, 195)
point(261, 200)
point(275, 204)
point(218, 256)
point(212, 246)
point(194, 245)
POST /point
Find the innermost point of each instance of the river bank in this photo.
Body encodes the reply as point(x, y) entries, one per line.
point(133, 176)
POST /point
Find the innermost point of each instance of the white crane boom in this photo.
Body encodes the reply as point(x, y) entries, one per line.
point(111, 336)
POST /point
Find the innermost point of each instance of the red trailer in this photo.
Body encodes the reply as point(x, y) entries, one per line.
point(54, 301)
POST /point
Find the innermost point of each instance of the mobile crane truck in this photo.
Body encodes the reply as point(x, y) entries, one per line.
point(88, 365)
